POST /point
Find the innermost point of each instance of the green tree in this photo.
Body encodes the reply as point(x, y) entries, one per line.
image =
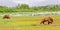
point(23, 6)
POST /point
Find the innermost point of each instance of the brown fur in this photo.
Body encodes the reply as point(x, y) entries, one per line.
point(6, 17)
point(47, 19)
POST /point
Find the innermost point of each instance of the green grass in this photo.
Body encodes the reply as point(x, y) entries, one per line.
point(28, 23)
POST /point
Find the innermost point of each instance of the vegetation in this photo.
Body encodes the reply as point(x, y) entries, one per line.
point(26, 8)
point(28, 23)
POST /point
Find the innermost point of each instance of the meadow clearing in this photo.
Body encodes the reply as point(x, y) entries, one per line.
point(28, 23)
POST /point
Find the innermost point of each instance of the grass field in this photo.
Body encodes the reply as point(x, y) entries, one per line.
point(28, 23)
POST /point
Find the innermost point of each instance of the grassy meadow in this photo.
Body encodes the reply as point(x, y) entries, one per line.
point(28, 23)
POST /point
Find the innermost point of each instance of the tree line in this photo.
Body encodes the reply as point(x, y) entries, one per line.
point(26, 8)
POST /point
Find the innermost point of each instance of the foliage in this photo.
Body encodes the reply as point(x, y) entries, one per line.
point(26, 8)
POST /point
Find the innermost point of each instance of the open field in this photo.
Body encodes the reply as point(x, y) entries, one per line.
point(28, 23)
